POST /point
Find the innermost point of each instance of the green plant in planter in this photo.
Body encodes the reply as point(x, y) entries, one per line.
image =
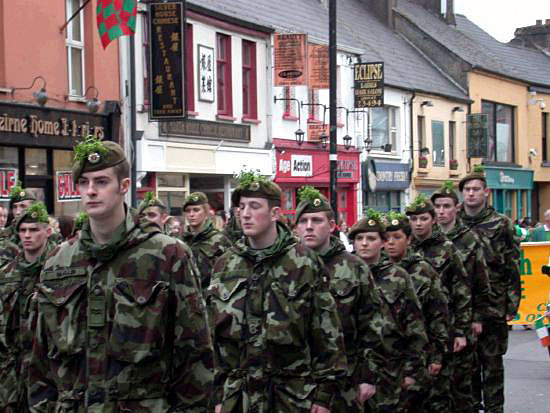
point(422, 162)
point(453, 164)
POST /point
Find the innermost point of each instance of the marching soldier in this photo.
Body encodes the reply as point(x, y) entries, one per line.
point(278, 343)
point(469, 245)
point(206, 242)
point(153, 210)
point(120, 322)
point(405, 340)
point(433, 301)
point(445, 259)
point(361, 310)
point(17, 283)
point(502, 252)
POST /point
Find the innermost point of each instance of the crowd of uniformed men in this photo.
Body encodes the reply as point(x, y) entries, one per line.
point(122, 317)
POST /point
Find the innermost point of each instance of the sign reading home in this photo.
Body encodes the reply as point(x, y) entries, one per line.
point(65, 187)
point(477, 131)
point(301, 165)
point(166, 74)
point(8, 178)
point(368, 85)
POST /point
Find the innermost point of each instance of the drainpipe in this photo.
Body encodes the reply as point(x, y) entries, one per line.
point(411, 144)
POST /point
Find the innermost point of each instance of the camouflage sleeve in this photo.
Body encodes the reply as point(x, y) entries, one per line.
point(460, 299)
point(326, 340)
point(480, 285)
point(511, 257)
point(192, 350)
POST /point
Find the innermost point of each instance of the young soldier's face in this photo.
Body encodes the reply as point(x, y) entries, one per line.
point(475, 193)
point(445, 210)
point(102, 192)
point(195, 215)
point(396, 244)
point(368, 245)
point(314, 229)
point(33, 235)
point(155, 215)
point(256, 216)
point(18, 207)
point(422, 224)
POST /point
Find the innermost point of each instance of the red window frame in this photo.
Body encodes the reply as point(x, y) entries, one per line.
point(313, 110)
point(223, 67)
point(189, 69)
point(250, 108)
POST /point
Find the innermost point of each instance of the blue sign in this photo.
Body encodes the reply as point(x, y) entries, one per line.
point(390, 176)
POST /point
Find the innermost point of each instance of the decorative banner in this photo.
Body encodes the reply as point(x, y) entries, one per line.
point(535, 285)
point(318, 66)
point(368, 84)
point(166, 74)
point(290, 59)
point(8, 178)
point(315, 130)
point(115, 19)
point(206, 73)
point(477, 130)
point(65, 187)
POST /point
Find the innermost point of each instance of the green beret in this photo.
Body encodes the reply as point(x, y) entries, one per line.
point(93, 154)
point(35, 213)
point(420, 205)
point(478, 172)
point(18, 194)
point(311, 200)
point(395, 221)
point(372, 222)
point(253, 185)
point(445, 191)
point(195, 198)
point(150, 200)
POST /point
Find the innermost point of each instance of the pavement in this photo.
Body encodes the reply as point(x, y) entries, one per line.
point(527, 373)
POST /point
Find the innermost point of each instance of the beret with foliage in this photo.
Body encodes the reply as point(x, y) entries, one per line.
point(420, 205)
point(371, 222)
point(94, 154)
point(18, 194)
point(446, 190)
point(311, 200)
point(252, 184)
point(150, 200)
point(35, 213)
point(478, 172)
point(395, 220)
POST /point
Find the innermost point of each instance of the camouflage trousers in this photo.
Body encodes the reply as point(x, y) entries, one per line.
point(345, 399)
point(461, 381)
point(488, 380)
point(439, 399)
point(388, 397)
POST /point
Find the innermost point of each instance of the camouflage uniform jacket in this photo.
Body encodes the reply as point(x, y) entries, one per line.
point(470, 247)
point(232, 230)
point(444, 257)
point(405, 340)
point(361, 310)
point(278, 341)
point(501, 250)
point(17, 284)
point(120, 327)
point(8, 252)
point(433, 301)
point(207, 245)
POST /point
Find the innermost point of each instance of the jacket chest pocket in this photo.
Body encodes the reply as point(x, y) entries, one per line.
point(226, 308)
point(141, 310)
point(344, 292)
point(62, 302)
point(9, 312)
point(288, 309)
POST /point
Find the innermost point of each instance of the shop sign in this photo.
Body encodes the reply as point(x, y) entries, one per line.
point(290, 59)
point(508, 178)
point(166, 22)
point(368, 85)
point(302, 165)
point(8, 178)
point(505, 179)
point(315, 130)
point(477, 130)
point(345, 168)
point(318, 67)
point(390, 176)
point(65, 187)
point(207, 129)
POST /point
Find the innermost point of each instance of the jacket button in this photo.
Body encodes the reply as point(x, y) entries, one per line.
point(141, 300)
point(255, 277)
point(97, 291)
point(225, 296)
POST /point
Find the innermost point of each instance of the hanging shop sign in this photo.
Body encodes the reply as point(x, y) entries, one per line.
point(65, 187)
point(476, 134)
point(166, 66)
point(315, 130)
point(290, 59)
point(368, 85)
point(8, 178)
point(318, 66)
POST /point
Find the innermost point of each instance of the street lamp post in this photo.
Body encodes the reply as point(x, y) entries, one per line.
point(333, 154)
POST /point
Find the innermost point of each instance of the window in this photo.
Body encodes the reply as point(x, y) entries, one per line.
point(421, 125)
point(75, 48)
point(501, 131)
point(223, 66)
point(250, 110)
point(383, 126)
point(544, 137)
point(452, 143)
point(190, 81)
point(290, 105)
point(145, 63)
point(438, 143)
point(313, 108)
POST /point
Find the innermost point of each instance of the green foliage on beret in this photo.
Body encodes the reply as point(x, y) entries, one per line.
point(89, 146)
point(447, 186)
point(478, 168)
point(37, 212)
point(395, 215)
point(249, 177)
point(309, 193)
point(371, 214)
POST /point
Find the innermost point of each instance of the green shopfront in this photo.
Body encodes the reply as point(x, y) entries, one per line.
point(511, 190)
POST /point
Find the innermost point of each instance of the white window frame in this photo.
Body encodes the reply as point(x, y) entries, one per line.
point(392, 125)
point(75, 44)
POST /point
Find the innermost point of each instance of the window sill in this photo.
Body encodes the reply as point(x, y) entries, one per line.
point(453, 173)
point(5, 90)
point(251, 120)
point(290, 117)
point(314, 121)
point(226, 118)
point(192, 113)
point(81, 99)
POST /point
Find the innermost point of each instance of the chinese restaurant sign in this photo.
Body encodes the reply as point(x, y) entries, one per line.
point(8, 177)
point(368, 85)
point(290, 59)
point(166, 74)
point(65, 187)
point(477, 124)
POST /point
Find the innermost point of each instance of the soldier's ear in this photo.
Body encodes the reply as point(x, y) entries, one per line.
point(275, 212)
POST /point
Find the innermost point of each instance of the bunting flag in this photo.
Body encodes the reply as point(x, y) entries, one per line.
point(115, 18)
point(542, 332)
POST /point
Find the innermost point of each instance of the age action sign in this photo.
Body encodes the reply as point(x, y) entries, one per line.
point(65, 187)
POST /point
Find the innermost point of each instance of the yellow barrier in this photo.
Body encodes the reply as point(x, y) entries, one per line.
point(534, 284)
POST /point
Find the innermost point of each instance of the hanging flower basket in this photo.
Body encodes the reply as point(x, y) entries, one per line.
point(453, 164)
point(422, 162)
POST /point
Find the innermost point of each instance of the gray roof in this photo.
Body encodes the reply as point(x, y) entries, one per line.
point(357, 30)
point(478, 48)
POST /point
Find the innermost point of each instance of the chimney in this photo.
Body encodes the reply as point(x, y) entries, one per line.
point(450, 13)
point(534, 37)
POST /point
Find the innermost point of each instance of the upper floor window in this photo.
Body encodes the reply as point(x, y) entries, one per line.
point(75, 48)
point(438, 143)
point(291, 111)
point(501, 131)
point(250, 110)
point(452, 140)
point(313, 108)
point(383, 126)
point(544, 127)
point(223, 67)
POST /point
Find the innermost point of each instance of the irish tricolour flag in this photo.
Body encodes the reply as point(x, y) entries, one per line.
point(542, 332)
